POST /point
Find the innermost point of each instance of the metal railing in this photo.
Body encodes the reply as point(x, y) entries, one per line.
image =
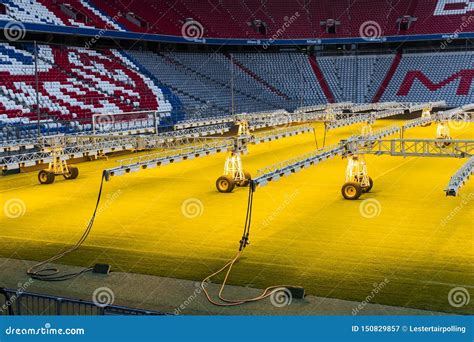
point(445, 148)
point(16, 303)
point(286, 167)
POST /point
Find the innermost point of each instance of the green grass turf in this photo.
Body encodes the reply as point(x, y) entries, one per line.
point(303, 232)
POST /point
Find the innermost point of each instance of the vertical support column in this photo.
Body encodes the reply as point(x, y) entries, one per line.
point(38, 113)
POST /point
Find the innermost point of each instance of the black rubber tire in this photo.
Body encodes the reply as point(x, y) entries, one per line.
point(73, 173)
point(442, 144)
point(247, 180)
point(225, 184)
point(351, 190)
point(368, 188)
point(46, 177)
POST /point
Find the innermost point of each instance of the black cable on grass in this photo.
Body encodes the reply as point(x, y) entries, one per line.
point(243, 243)
point(248, 219)
point(40, 272)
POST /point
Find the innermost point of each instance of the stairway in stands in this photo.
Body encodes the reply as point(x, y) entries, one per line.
point(320, 77)
point(393, 69)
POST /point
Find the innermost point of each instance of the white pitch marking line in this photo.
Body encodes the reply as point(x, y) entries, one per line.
point(448, 284)
point(394, 168)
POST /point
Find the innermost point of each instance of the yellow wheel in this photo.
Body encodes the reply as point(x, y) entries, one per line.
point(351, 191)
point(368, 188)
point(225, 184)
point(72, 174)
point(46, 177)
point(248, 177)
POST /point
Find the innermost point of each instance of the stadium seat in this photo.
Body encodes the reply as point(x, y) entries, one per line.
point(74, 83)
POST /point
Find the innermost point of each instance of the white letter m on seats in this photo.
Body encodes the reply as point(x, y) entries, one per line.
point(463, 7)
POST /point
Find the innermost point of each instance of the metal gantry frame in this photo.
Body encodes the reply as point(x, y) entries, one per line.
point(14, 155)
point(190, 138)
point(290, 166)
point(109, 122)
point(153, 160)
point(382, 111)
point(457, 114)
point(57, 150)
point(276, 134)
point(287, 167)
point(429, 105)
point(377, 146)
point(460, 178)
point(373, 142)
point(203, 122)
point(207, 146)
point(77, 146)
point(374, 135)
point(411, 147)
point(92, 146)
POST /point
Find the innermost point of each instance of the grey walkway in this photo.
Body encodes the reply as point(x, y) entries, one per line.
point(180, 296)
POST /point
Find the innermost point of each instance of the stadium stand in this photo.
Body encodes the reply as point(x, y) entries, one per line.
point(73, 83)
point(426, 76)
point(295, 80)
point(76, 83)
point(388, 76)
point(413, 77)
point(29, 11)
point(251, 18)
point(446, 16)
point(204, 81)
point(79, 13)
point(355, 78)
